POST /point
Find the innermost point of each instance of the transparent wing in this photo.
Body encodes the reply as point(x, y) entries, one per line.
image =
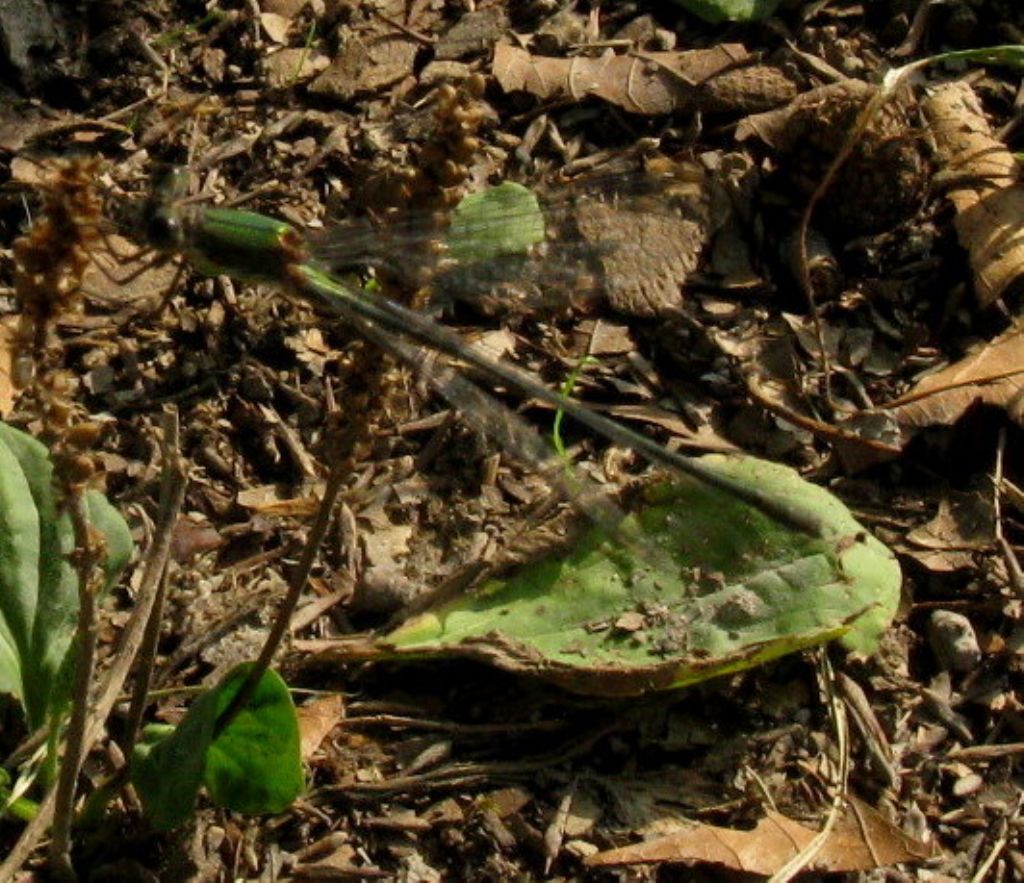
point(633, 238)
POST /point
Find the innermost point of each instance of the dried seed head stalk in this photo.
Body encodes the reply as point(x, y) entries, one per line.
point(51, 257)
point(50, 261)
point(460, 114)
point(443, 162)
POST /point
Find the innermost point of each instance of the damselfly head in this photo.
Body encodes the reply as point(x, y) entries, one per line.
point(163, 230)
point(160, 219)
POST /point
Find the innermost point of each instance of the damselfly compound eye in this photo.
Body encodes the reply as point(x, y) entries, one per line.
point(163, 231)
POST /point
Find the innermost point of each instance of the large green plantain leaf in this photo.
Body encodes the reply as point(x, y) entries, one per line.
point(38, 587)
point(720, 587)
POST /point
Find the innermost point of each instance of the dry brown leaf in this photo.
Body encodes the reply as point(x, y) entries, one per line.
point(337, 866)
point(862, 840)
point(672, 247)
point(367, 64)
point(785, 128)
point(385, 545)
point(963, 525)
point(991, 374)
point(287, 67)
point(190, 538)
point(29, 172)
point(316, 720)
point(672, 243)
point(122, 275)
point(286, 8)
point(963, 521)
point(267, 500)
point(649, 82)
point(276, 26)
point(985, 188)
point(474, 32)
point(610, 339)
point(8, 337)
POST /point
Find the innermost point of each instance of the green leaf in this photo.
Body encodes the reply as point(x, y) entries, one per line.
point(1011, 55)
point(721, 587)
point(38, 587)
point(253, 766)
point(168, 764)
point(717, 11)
point(494, 223)
point(15, 807)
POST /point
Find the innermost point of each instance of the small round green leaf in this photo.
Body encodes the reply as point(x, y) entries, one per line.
point(717, 11)
point(494, 223)
point(168, 764)
point(255, 765)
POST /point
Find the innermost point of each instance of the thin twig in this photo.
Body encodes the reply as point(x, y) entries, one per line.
point(837, 712)
point(1002, 841)
point(144, 675)
point(1013, 568)
point(88, 554)
point(296, 583)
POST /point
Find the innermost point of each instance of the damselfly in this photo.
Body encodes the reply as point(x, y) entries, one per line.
point(255, 247)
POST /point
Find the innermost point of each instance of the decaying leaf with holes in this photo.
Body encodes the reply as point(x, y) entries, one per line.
point(717, 588)
point(984, 185)
point(672, 242)
point(880, 184)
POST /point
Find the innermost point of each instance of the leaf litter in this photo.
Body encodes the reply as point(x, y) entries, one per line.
point(234, 361)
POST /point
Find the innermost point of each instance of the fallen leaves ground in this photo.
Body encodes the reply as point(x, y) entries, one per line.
point(322, 113)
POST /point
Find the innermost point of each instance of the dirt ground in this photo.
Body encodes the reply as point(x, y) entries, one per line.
point(882, 360)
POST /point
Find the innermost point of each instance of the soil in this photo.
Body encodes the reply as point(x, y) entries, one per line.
point(717, 332)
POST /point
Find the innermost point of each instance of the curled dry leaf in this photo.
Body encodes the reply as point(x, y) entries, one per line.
point(270, 499)
point(862, 840)
point(963, 526)
point(991, 374)
point(985, 188)
point(881, 182)
point(648, 82)
point(276, 26)
point(316, 720)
